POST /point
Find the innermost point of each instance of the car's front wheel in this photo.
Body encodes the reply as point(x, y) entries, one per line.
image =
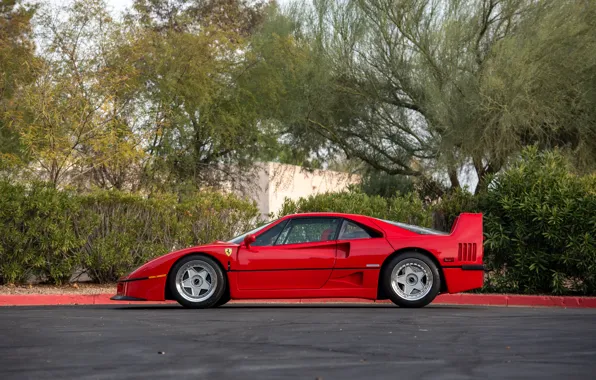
point(197, 281)
point(411, 279)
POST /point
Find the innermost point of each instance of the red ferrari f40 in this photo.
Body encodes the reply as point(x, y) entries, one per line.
point(318, 255)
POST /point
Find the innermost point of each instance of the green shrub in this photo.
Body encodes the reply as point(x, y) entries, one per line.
point(122, 231)
point(410, 209)
point(49, 233)
point(128, 230)
point(209, 216)
point(407, 208)
point(36, 233)
point(540, 221)
point(451, 205)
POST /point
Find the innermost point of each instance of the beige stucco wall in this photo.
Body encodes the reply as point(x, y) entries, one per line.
point(278, 181)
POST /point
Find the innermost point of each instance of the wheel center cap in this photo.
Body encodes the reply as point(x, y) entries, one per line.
point(197, 281)
point(412, 279)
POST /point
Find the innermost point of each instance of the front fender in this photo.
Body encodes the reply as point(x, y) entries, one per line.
point(148, 282)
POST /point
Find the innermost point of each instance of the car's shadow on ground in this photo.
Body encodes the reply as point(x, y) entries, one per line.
point(303, 306)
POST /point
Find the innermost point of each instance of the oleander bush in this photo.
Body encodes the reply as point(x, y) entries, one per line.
point(122, 231)
point(540, 227)
point(49, 233)
point(36, 233)
point(407, 208)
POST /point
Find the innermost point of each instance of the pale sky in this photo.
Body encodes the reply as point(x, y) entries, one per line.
point(117, 6)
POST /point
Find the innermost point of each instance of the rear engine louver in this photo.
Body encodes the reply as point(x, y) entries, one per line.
point(466, 252)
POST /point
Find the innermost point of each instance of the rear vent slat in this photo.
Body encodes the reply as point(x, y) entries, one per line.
point(459, 257)
point(467, 252)
point(474, 252)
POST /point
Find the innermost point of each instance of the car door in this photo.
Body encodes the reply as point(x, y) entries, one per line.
point(360, 246)
point(298, 255)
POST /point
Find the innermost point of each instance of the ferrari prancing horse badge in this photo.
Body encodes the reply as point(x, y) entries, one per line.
point(229, 251)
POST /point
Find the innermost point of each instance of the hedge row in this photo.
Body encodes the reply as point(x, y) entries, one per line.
point(50, 234)
point(539, 223)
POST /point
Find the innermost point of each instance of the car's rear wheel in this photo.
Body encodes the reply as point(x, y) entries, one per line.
point(411, 279)
point(197, 281)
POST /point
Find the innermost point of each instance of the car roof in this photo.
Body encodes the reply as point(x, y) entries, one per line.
point(376, 221)
point(337, 214)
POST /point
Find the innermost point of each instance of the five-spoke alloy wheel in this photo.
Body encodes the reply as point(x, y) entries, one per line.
point(411, 279)
point(197, 281)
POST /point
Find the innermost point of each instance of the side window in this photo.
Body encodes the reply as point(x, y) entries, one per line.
point(268, 237)
point(351, 230)
point(308, 230)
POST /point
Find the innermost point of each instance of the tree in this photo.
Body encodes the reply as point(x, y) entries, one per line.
point(417, 86)
point(71, 119)
point(205, 126)
point(18, 66)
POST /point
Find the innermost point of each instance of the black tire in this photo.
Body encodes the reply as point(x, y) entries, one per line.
point(215, 274)
point(225, 298)
point(426, 268)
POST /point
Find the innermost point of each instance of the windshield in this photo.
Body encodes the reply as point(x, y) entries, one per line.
point(417, 229)
point(239, 239)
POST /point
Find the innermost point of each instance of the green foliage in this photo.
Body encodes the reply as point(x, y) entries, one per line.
point(122, 231)
point(50, 233)
point(36, 233)
point(18, 67)
point(210, 216)
point(408, 208)
point(385, 185)
point(453, 204)
point(410, 87)
point(539, 225)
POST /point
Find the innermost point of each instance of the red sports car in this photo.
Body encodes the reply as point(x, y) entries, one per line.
point(318, 255)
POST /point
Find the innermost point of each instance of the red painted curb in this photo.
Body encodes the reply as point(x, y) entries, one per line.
point(443, 299)
point(62, 299)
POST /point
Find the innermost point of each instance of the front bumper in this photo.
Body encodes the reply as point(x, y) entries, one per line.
point(118, 297)
point(150, 288)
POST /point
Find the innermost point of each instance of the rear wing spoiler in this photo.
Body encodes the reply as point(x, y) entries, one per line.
point(469, 227)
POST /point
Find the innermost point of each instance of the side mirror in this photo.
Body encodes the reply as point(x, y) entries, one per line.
point(249, 239)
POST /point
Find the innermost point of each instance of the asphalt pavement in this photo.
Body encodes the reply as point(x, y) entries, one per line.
point(296, 342)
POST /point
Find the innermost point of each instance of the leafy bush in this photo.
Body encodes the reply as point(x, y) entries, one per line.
point(49, 233)
point(407, 208)
point(410, 209)
point(451, 205)
point(128, 230)
point(122, 231)
point(36, 233)
point(208, 216)
point(352, 202)
point(540, 221)
point(385, 185)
